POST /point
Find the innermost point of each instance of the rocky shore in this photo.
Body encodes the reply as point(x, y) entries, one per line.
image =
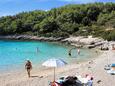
point(28, 37)
point(87, 42)
point(80, 41)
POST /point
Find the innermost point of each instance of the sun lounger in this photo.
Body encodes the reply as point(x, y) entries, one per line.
point(112, 69)
point(112, 72)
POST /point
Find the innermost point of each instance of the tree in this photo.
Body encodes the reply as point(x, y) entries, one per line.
point(48, 25)
point(69, 28)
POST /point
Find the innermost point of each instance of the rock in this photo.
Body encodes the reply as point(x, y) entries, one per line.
point(28, 37)
point(90, 46)
point(76, 45)
point(87, 42)
point(73, 39)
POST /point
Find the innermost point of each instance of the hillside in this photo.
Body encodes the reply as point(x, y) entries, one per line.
point(97, 19)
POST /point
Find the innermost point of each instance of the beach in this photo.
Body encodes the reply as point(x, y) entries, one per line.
point(61, 42)
point(76, 38)
point(42, 77)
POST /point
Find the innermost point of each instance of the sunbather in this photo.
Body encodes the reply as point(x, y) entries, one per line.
point(71, 81)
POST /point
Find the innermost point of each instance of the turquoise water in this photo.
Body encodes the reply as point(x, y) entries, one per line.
point(13, 54)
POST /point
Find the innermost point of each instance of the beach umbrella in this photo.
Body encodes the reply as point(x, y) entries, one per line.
point(54, 63)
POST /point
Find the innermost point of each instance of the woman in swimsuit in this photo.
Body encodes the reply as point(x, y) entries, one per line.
point(28, 67)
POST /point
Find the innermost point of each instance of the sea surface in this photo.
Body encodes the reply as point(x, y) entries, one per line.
point(13, 54)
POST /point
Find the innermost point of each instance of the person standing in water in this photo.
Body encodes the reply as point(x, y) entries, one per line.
point(69, 53)
point(78, 51)
point(37, 49)
point(28, 67)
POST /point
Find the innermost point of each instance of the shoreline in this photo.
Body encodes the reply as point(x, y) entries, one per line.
point(28, 37)
point(77, 41)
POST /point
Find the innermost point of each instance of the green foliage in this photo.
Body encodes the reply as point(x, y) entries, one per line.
point(48, 25)
point(73, 19)
point(86, 21)
point(109, 35)
point(69, 27)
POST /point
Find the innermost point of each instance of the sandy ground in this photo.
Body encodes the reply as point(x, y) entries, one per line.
point(44, 76)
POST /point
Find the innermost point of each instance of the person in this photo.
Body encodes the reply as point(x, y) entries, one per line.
point(37, 49)
point(90, 82)
point(78, 51)
point(69, 53)
point(28, 67)
point(71, 81)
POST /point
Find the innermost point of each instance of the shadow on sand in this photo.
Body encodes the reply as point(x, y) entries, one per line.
point(37, 76)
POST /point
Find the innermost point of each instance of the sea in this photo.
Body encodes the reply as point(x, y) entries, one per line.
point(13, 53)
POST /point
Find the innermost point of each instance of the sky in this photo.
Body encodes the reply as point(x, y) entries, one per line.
point(12, 7)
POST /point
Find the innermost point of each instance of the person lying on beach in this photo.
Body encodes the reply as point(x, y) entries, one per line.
point(28, 67)
point(71, 81)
